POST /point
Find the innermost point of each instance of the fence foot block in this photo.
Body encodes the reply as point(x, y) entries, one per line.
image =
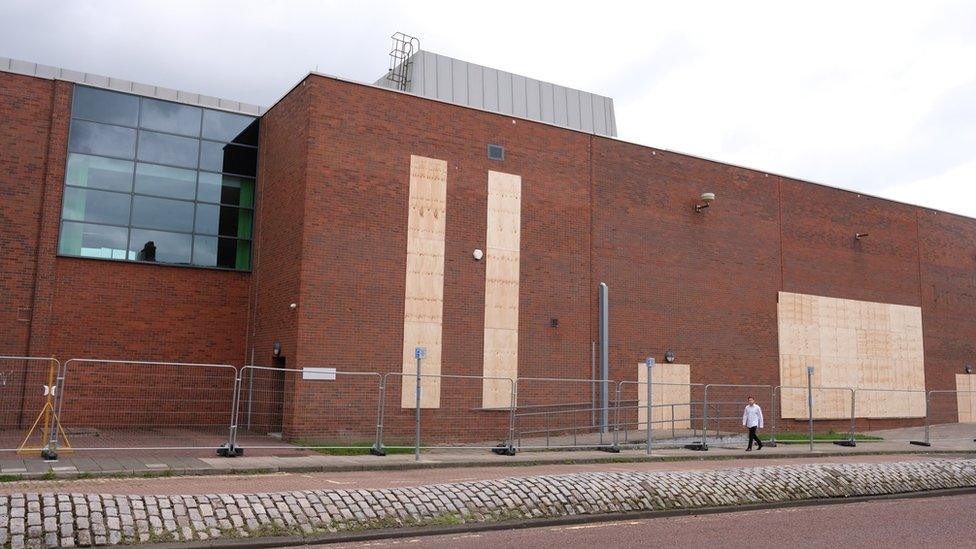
point(230, 450)
point(698, 447)
point(771, 443)
point(610, 449)
point(504, 450)
point(47, 454)
point(919, 443)
point(377, 450)
point(848, 443)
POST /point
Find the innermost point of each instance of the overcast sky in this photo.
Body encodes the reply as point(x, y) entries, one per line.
point(878, 97)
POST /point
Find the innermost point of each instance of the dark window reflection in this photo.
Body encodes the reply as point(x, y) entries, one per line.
point(220, 157)
point(225, 126)
point(168, 149)
point(170, 117)
point(162, 213)
point(226, 253)
point(105, 106)
point(223, 220)
point(99, 173)
point(159, 246)
point(96, 206)
point(166, 181)
point(226, 189)
point(102, 139)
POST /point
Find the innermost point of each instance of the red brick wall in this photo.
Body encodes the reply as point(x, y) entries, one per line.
point(84, 308)
point(594, 209)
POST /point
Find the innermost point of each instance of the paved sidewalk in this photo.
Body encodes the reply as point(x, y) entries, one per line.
point(957, 439)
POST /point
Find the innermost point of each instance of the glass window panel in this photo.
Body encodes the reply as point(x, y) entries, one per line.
point(165, 181)
point(87, 240)
point(220, 157)
point(162, 213)
point(170, 117)
point(223, 220)
point(168, 149)
point(99, 173)
point(225, 126)
point(95, 138)
point(226, 189)
point(96, 206)
point(105, 106)
point(159, 246)
point(226, 253)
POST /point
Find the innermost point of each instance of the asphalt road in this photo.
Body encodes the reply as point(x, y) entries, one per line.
point(922, 522)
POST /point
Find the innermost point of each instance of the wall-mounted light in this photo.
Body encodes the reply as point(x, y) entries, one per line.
point(669, 357)
point(478, 254)
point(859, 236)
point(969, 368)
point(553, 322)
point(276, 349)
point(707, 199)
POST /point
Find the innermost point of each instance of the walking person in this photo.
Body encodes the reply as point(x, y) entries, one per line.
point(753, 419)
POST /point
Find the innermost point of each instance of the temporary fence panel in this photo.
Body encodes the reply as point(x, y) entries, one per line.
point(134, 405)
point(723, 405)
point(559, 413)
point(949, 421)
point(459, 421)
point(312, 407)
point(829, 423)
point(674, 415)
point(28, 391)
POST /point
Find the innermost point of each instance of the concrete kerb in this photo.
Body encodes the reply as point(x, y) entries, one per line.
point(569, 457)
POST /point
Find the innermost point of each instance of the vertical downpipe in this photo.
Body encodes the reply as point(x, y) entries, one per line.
point(604, 355)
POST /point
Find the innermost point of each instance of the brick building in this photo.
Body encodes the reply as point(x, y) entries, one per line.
point(338, 227)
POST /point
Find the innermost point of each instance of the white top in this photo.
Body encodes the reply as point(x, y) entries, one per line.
point(752, 416)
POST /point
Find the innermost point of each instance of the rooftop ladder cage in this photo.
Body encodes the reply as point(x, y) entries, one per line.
point(404, 46)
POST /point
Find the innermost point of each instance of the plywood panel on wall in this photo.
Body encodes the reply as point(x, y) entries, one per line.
point(966, 397)
point(670, 384)
point(875, 348)
point(503, 241)
point(424, 298)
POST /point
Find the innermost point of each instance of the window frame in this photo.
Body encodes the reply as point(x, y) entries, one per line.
point(132, 193)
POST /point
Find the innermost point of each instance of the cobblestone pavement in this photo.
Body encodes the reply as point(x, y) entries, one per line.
point(51, 520)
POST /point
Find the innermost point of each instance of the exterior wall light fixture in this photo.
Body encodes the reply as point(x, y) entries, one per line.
point(859, 236)
point(707, 199)
point(969, 368)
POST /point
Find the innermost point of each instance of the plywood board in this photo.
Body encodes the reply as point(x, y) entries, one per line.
point(875, 348)
point(670, 384)
point(966, 397)
point(503, 243)
point(424, 295)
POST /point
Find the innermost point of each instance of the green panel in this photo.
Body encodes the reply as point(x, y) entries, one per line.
point(243, 255)
point(244, 222)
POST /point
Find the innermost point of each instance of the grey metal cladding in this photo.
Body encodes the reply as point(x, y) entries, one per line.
point(446, 79)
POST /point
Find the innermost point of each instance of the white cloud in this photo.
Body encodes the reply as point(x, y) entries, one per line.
point(869, 95)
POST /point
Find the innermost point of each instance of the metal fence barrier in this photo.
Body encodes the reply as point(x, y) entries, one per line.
point(948, 409)
point(731, 400)
point(28, 397)
point(450, 413)
point(682, 416)
point(824, 405)
point(140, 405)
point(338, 408)
point(559, 413)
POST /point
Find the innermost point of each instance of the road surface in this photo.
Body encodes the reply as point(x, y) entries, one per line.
point(922, 522)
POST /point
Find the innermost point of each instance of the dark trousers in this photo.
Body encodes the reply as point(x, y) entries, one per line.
point(752, 437)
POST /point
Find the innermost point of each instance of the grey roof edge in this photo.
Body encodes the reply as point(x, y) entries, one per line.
point(48, 72)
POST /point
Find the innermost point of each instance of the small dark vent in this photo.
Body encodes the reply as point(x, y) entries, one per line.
point(496, 152)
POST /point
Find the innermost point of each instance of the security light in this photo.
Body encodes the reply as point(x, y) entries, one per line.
point(859, 236)
point(478, 254)
point(707, 199)
point(969, 368)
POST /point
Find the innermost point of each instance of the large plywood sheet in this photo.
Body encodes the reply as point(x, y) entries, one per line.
point(966, 397)
point(503, 242)
point(424, 298)
point(670, 384)
point(873, 347)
